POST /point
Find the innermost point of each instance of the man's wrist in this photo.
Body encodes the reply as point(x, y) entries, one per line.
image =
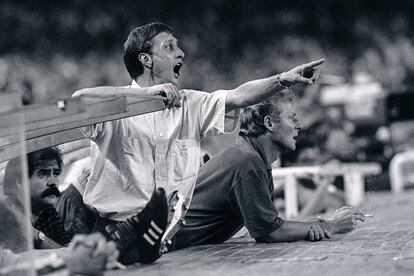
point(282, 80)
point(316, 219)
point(329, 225)
point(332, 224)
point(39, 238)
point(147, 91)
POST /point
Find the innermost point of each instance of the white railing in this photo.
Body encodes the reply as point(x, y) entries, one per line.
point(353, 174)
point(401, 170)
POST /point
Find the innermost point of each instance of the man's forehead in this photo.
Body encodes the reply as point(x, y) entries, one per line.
point(47, 164)
point(164, 37)
point(289, 108)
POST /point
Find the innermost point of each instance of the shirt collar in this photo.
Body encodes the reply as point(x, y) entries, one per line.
point(259, 148)
point(134, 84)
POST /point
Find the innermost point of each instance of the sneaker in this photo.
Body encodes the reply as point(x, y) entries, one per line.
point(139, 237)
point(178, 208)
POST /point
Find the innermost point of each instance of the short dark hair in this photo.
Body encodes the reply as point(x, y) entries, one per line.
point(251, 117)
point(35, 158)
point(139, 41)
point(13, 172)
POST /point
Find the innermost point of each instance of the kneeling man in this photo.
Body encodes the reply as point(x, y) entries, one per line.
point(235, 187)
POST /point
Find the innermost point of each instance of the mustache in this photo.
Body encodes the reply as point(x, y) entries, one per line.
point(51, 191)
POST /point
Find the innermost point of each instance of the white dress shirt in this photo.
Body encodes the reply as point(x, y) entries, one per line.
point(132, 156)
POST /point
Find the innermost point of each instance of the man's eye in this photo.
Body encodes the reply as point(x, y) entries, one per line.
point(56, 173)
point(41, 174)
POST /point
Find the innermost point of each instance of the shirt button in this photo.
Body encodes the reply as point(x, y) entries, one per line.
point(161, 134)
point(160, 156)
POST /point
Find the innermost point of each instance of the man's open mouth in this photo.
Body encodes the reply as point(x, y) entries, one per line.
point(177, 69)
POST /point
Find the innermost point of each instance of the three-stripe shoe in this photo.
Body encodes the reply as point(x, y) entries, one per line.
point(139, 237)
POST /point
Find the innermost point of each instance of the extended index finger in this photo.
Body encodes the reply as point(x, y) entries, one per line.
point(315, 63)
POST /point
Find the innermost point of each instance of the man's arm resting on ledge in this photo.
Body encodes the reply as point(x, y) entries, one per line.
point(293, 231)
point(111, 91)
point(167, 90)
point(342, 221)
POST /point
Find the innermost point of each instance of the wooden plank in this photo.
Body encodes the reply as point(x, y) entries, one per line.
point(74, 146)
point(95, 112)
point(37, 116)
point(9, 101)
point(49, 118)
point(133, 108)
point(64, 133)
point(98, 110)
point(42, 142)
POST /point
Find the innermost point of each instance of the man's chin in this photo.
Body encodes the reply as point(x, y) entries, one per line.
point(49, 200)
point(175, 81)
point(288, 148)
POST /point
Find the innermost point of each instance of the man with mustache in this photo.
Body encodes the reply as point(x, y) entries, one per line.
point(86, 254)
point(44, 168)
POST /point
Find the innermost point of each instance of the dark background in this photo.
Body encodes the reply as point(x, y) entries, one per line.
point(53, 48)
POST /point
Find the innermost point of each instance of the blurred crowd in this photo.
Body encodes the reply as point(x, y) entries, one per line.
point(53, 51)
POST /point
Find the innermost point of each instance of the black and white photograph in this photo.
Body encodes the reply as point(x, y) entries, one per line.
point(221, 137)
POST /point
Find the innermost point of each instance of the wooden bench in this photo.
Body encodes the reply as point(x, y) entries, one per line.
point(29, 128)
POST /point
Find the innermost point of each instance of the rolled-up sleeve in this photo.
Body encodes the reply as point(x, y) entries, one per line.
point(213, 110)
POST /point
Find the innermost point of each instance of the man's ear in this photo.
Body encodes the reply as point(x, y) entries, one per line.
point(145, 60)
point(267, 122)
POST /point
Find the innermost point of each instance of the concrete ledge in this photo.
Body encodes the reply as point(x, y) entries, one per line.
point(382, 245)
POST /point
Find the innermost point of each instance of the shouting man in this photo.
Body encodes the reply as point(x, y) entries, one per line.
point(132, 157)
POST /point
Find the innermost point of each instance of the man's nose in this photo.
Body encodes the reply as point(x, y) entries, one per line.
point(298, 125)
point(180, 53)
point(52, 180)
